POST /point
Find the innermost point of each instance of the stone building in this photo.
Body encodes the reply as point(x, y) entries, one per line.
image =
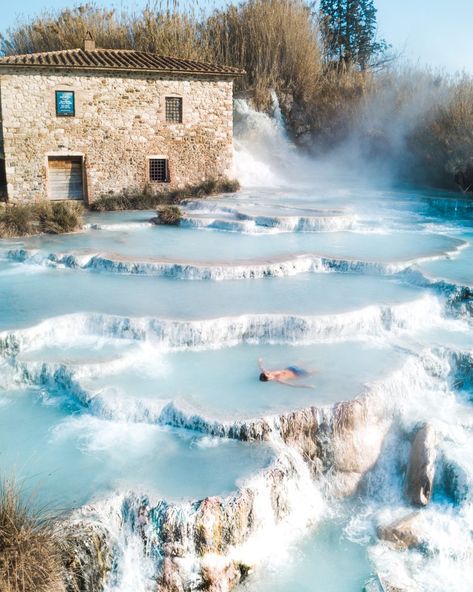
point(81, 123)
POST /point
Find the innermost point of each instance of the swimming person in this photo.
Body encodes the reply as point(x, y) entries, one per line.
point(284, 376)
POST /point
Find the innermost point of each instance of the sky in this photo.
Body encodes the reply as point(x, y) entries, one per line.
point(432, 32)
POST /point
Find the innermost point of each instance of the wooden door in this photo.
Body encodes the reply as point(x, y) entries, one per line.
point(65, 177)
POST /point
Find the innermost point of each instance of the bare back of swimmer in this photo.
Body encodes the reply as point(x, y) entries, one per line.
point(285, 375)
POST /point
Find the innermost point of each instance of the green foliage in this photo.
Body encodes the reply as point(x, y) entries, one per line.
point(169, 215)
point(348, 30)
point(147, 200)
point(32, 218)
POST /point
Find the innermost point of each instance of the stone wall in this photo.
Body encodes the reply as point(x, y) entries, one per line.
point(119, 124)
point(1, 125)
point(3, 177)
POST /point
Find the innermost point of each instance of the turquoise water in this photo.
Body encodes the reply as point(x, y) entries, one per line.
point(222, 383)
point(62, 291)
point(130, 344)
point(133, 344)
point(217, 246)
point(323, 562)
point(457, 268)
point(65, 458)
point(94, 355)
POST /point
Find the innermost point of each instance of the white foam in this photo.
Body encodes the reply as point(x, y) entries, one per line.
point(119, 226)
point(256, 269)
point(267, 224)
point(210, 442)
point(421, 393)
point(264, 156)
point(95, 434)
point(367, 323)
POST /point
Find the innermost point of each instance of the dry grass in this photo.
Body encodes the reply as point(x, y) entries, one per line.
point(420, 123)
point(148, 200)
point(274, 40)
point(169, 215)
point(16, 220)
point(66, 30)
point(444, 145)
point(60, 216)
point(335, 105)
point(34, 218)
point(30, 556)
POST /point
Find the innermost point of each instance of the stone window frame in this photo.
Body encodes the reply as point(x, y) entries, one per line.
point(148, 171)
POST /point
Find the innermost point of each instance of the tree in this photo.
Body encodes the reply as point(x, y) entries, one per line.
point(349, 32)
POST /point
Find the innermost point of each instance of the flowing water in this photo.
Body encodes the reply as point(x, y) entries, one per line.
point(123, 343)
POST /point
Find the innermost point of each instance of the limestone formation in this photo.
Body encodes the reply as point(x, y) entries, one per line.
point(402, 533)
point(345, 440)
point(87, 557)
point(421, 468)
point(359, 430)
point(169, 579)
point(201, 544)
point(379, 584)
point(299, 430)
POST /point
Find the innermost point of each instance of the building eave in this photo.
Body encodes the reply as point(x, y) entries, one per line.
point(27, 68)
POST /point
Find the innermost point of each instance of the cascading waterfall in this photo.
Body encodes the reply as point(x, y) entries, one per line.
point(264, 156)
point(382, 445)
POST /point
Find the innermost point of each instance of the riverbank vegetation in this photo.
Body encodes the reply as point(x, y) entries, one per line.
point(150, 200)
point(23, 219)
point(49, 217)
point(30, 551)
point(168, 216)
point(337, 83)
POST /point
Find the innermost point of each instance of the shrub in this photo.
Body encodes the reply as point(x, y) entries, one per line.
point(229, 186)
point(45, 216)
point(169, 215)
point(59, 217)
point(30, 556)
point(146, 200)
point(443, 142)
point(16, 220)
point(127, 201)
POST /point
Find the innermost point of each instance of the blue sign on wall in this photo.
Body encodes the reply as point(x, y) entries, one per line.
point(65, 103)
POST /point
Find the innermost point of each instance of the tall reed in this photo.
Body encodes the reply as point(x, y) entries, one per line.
point(30, 554)
point(274, 40)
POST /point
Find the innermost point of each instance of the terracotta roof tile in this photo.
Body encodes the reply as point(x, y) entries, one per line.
point(117, 60)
